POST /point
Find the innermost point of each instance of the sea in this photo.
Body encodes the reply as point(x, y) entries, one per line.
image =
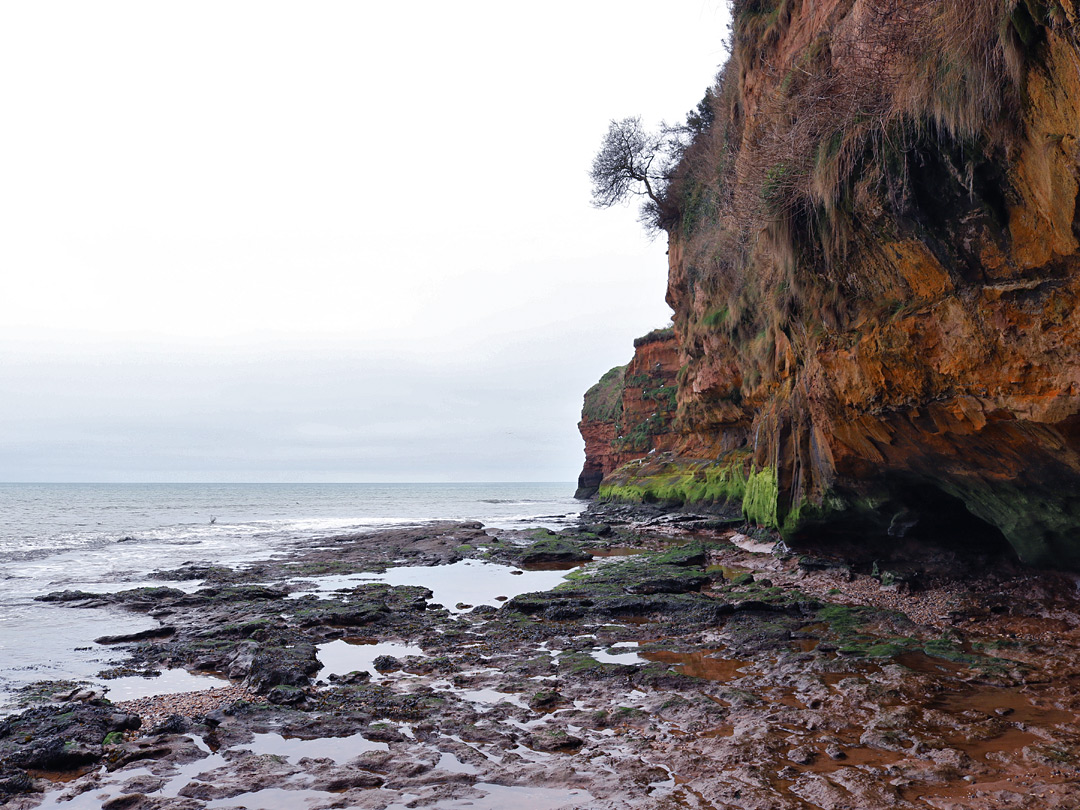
point(107, 537)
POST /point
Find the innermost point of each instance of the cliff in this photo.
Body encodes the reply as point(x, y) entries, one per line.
point(628, 414)
point(873, 262)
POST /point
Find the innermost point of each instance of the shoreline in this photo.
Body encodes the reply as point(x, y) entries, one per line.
point(694, 673)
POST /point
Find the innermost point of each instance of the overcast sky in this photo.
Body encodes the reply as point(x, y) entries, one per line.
point(322, 241)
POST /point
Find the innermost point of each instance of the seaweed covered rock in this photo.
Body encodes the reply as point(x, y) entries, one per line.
point(60, 737)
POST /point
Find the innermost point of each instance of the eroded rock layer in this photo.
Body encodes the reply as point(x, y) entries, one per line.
point(874, 269)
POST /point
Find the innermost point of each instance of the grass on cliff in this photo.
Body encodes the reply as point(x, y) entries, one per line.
point(603, 402)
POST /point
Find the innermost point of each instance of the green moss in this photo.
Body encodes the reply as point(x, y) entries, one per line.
point(689, 554)
point(760, 501)
point(581, 662)
point(684, 482)
point(842, 619)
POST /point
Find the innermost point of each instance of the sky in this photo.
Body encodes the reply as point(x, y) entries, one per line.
point(328, 241)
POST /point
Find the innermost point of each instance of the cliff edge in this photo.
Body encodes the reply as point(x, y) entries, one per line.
point(873, 263)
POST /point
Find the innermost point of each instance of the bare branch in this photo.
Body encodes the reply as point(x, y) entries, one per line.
point(626, 165)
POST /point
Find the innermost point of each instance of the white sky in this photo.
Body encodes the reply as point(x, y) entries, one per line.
point(313, 241)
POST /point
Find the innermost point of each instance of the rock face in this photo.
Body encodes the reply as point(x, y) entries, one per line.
point(629, 412)
point(874, 269)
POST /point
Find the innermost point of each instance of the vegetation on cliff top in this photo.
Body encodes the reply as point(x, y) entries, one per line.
point(603, 401)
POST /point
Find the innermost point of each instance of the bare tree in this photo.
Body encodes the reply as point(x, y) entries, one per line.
point(631, 162)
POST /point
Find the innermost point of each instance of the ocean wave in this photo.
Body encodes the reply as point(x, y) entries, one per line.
point(509, 500)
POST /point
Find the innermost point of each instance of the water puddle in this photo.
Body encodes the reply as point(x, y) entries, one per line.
point(480, 696)
point(701, 664)
point(1009, 704)
point(854, 757)
point(339, 749)
point(169, 682)
point(467, 583)
point(635, 621)
point(451, 764)
point(624, 652)
point(615, 551)
point(500, 797)
point(358, 655)
point(489, 697)
point(919, 661)
point(718, 732)
point(111, 786)
point(60, 777)
point(554, 565)
point(729, 572)
point(271, 799)
point(1008, 712)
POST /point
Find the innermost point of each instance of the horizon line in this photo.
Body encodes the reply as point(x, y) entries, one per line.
point(285, 483)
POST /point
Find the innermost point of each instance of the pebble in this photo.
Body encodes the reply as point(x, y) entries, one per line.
point(156, 708)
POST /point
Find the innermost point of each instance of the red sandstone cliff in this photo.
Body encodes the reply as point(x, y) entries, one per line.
point(875, 271)
point(629, 412)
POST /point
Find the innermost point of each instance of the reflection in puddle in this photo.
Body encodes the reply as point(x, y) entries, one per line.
point(615, 551)
point(481, 697)
point(339, 749)
point(500, 797)
point(169, 682)
point(624, 652)
point(489, 697)
point(358, 655)
point(468, 582)
point(270, 799)
point(450, 763)
point(97, 796)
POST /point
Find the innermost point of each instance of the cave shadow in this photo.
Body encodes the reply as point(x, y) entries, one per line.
point(920, 529)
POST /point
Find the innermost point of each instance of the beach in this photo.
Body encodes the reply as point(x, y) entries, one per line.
point(644, 660)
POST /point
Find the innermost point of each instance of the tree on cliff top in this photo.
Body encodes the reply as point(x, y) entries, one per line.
point(632, 162)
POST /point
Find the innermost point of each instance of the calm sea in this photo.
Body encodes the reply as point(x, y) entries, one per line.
point(101, 537)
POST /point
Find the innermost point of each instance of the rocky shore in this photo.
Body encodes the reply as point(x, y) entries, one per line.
point(685, 661)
